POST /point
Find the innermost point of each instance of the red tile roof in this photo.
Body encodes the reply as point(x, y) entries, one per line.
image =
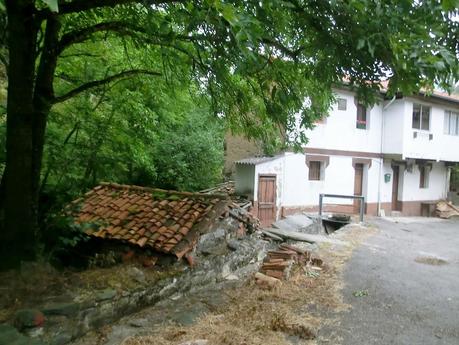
point(166, 221)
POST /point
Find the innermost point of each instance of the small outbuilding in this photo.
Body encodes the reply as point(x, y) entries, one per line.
point(168, 222)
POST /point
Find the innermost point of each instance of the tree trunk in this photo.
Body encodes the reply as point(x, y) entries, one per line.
point(17, 238)
point(44, 94)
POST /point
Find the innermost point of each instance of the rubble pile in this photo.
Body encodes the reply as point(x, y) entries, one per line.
point(228, 188)
point(278, 264)
point(247, 220)
point(446, 210)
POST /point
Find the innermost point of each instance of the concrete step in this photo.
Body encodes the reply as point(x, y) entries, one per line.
point(395, 213)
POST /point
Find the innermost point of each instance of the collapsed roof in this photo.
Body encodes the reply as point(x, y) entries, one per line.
point(166, 221)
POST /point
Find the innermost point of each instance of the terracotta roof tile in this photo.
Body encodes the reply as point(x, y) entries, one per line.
point(145, 217)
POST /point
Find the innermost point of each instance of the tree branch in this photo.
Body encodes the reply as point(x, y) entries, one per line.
point(82, 35)
point(97, 83)
point(122, 28)
point(84, 5)
point(283, 49)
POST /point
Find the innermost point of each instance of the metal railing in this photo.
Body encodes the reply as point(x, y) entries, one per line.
point(361, 198)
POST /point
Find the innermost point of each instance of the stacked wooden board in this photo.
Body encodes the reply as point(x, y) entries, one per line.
point(278, 264)
point(446, 210)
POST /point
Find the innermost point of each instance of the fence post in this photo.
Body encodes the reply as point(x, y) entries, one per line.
point(321, 196)
point(362, 208)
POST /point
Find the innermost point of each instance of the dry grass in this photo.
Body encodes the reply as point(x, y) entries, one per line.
point(268, 317)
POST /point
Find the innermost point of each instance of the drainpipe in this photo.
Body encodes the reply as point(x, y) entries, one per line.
point(389, 103)
point(381, 160)
point(448, 181)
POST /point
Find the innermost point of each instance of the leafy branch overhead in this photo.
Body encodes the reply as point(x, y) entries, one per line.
point(256, 63)
point(259, 61)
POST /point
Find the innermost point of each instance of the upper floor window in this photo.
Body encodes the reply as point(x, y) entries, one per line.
point(451, 123)
point(361, 116)
point(342, 104)
point(421, 117)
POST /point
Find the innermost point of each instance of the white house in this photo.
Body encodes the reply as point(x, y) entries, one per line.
point(398, 155)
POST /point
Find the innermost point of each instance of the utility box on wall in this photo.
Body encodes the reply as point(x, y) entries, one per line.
point(387, 178)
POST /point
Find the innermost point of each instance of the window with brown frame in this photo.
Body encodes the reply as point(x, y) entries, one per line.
point(314, 171)
point(361, 116)
point(423, 176)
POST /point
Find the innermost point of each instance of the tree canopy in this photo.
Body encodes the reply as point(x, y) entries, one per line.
point(256, 63)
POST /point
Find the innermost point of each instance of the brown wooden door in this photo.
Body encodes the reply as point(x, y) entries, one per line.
point(267, 199)
point(395, 183)
point(358, 185)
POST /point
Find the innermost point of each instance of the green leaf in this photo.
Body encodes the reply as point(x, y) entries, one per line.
point(360, 43)
point(52, 4)
point(449, 5)
point(229, 13)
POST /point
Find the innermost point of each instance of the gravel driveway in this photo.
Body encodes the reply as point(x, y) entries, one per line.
point(403, 285)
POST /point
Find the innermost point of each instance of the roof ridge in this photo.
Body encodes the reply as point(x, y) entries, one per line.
point(151, 189)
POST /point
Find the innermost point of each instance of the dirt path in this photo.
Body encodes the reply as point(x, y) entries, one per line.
point(403, 285)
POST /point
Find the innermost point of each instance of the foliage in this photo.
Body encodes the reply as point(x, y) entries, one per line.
point(258, 63)
point(134, 132)
point(360, 293)
point(61, 234)
point(190, 157)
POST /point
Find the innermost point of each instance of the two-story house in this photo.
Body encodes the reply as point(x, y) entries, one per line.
point(398, 155)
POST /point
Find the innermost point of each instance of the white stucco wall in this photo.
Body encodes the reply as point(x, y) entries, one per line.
point(386, 187)
point(394, 123)
point(437, 184)
point(398, 132)
point(339, 131)
point(295, 190)
point(394, 138)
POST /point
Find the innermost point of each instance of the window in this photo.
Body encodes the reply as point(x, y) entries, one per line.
point(424, 176)
point(361, 116)
point(315, 168)
point(421, 117)
point(342, 104)
point(451, 123)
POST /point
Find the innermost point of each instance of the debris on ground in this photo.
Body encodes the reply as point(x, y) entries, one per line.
point(228, 188)
point(248, 314)
point(431, 260)
point(299, 236)
point(446, 210)
point(278, 263)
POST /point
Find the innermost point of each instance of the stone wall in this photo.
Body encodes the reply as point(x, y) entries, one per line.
point(220, 255)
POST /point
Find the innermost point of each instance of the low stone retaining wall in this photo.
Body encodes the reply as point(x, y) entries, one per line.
point(219, 256)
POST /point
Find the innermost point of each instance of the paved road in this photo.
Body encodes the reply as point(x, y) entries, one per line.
point(408, 302)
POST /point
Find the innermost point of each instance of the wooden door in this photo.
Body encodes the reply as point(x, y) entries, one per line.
point(358, 185)
point(395, 184)
point(267, 199)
